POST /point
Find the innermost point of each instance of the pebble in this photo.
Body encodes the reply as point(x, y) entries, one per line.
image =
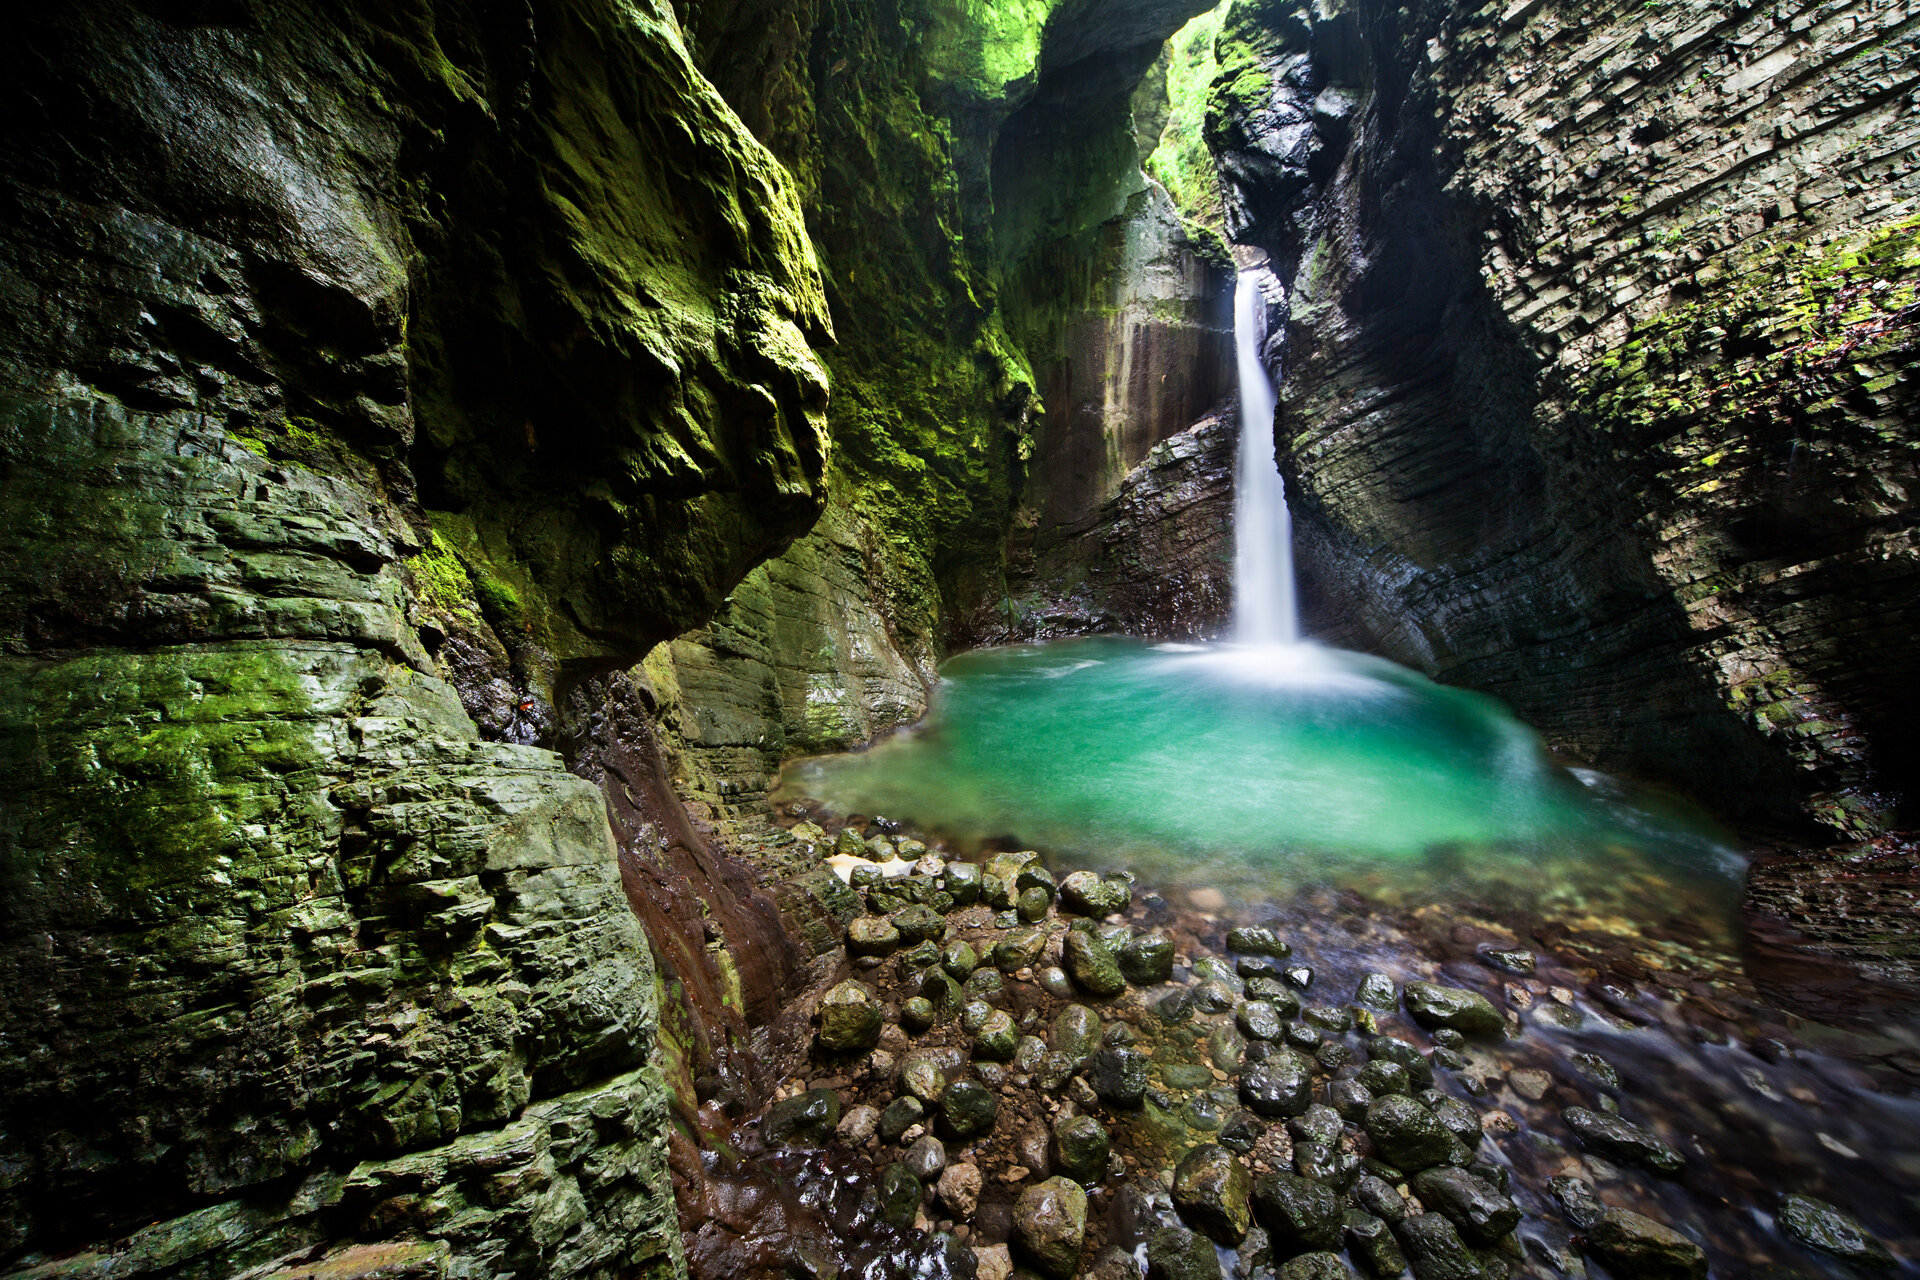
point(926, 1158)
point(959, 1191)
point(1529, 1083)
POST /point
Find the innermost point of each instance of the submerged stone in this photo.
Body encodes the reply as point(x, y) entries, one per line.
point(1611, 1135)
point(1819, 1225)
point(1257, 940)
point(1119, 1076)
point(1577, 1199)
point(900, 1192)
point(1465, 1011)
point(1634, 1247)
point(1376, 991)
point(1259, 1020)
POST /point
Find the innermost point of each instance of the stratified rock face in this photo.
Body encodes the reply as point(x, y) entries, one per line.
point(1600, 365)
point(289, 949)
point(1157, 559)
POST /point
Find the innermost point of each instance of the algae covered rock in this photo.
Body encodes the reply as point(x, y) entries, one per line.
point(1175, 1253)
point(850, 1018)
point(1092, 964)
point(1049, 1226)
point(1300, 1215)
point(1614, 1136)
point(1279, 1085)
point(808, 1118)
point(1405, 1134)
point(968, 1109)
point(1635, 1247)
point(1212, 1190)
point(1819, 1225)
point(1467, 1011)
point(1088, 894)
point(1080, 1147)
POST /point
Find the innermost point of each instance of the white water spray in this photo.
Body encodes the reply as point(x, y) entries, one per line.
point(1264, 610)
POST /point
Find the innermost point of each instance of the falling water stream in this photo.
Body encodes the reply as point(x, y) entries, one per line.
point(1264, 608)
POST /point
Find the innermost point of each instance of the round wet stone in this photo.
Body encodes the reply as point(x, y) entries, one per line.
point(996, 1038)
point(1119, 1077)
point(963, 883)
point(1212, 1190)
point(1464, 1011)
point(1088, 894)
point(1147, 959)
point(920, 924)
point(983, 984)
point(1259, 1020)
point(1080, 1148)
point(1380, 1077)
point(1257, 940)
point(872, 936)
point(1076, 1032)
point(1033, 904)
point(1280, 1085)
point(1405, 1134)
point(959, 960)
point(917, 1014)
point(1054, 981)
point(899, 1116)
point(1050, 1225)
point(1019, 950)
point(968, 1109)
point(1090, 962)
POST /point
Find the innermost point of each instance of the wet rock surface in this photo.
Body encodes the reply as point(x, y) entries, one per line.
point(1433, 1148)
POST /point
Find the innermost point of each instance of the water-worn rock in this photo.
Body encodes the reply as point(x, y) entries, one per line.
point(996, 1038)
point(1259, 1020)
point(1211, 1189)
point(1175, 1253)
point(1405, 1134)
point(1481, 1214)
point(1146, 959)
point(900, 1115)
point(925, 1072)
point(963, 883)
point(872, 936)
point(1300, 1215)
point(1465, 1011)
point(1391, 1049)
point(1090, 962)
point(1516, 961)
point(959, 1190)
point(917, 1013)
point(1076, 1032)
point(1434, 1249)
point(1819, 1225)
point(1119, 1076)
point(1281, 1085)
point(1370, 1242)
point(1049, 1225)
point(920, 924)
point(1088, 894)
point(1377, 1196)
point(926, 1158)
point(1351, 1099)
point(1577, 1199)
point(850, 1018)
point(968, 1109)
point(1019, 950)
point(1381, 1077)
point(1032, 904)
point(1614, 1136)
point(1376, 991)
point(1457, 1118)
point(858, 1124)
point(1055, 982)
point(1319, 1265)
point(1634, 1247)
point(1080, 1148)
point(959, 959)
point(1257, 940)
point(806, 1118)
point(939, 989)
point(900, 1193)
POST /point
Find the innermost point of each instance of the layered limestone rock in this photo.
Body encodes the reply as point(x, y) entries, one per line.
point(293, 955)
point(1600, 367)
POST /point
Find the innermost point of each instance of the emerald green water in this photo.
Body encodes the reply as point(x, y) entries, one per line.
point(1273, 767)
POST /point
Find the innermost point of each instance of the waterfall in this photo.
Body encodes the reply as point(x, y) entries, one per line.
point(1264, 611)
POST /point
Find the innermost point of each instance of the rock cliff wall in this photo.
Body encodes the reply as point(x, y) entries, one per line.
point(1600, 371)
point(359, 360)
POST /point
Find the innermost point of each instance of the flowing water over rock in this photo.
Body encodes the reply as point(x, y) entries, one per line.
point(1265, 610)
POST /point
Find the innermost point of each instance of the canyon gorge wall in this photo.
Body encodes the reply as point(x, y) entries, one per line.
point(1599, 374)
point(382, 385)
